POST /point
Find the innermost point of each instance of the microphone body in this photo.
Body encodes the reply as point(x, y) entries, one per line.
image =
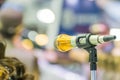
point(65, 42)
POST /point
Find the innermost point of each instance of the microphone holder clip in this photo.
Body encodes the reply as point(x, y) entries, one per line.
point(93, 59)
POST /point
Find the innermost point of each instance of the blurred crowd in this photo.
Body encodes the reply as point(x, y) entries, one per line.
point(50, 64)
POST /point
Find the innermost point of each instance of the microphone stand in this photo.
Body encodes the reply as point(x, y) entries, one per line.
point(92, 54)
point(86, 41)
point(93, 59)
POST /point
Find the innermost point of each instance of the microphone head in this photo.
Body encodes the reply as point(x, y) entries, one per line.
point(63, 43)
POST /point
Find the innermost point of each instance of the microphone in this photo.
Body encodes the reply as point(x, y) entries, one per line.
point(65, 42)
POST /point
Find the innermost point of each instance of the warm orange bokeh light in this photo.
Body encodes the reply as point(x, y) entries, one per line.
point(27, 44)
point(41, 39)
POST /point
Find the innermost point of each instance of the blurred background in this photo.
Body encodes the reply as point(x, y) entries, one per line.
point(43, 20)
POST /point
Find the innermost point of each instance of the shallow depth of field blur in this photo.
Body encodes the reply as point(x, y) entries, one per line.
point(44, 20)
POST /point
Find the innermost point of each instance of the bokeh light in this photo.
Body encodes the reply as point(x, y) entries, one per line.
point(41, 39)
point(32, 35)
point(27, 44)
point(46, 16)
point(116, 32)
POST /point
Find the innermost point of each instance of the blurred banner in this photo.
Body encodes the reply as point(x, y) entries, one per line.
point(78, 15)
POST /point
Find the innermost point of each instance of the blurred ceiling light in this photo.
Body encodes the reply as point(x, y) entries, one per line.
point(27, 44)
point(46, 16)
point(115, 31)
point(32, 35)
point(41, 39)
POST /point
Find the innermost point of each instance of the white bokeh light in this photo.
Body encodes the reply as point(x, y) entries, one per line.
point(46, 16)
point(116, 32)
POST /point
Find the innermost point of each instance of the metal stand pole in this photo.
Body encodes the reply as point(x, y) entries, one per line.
point(93, 75)
point(93, 60)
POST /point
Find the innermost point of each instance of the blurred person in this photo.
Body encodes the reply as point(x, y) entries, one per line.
point(1, 2)
point(99, 28)
point(11, 27)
